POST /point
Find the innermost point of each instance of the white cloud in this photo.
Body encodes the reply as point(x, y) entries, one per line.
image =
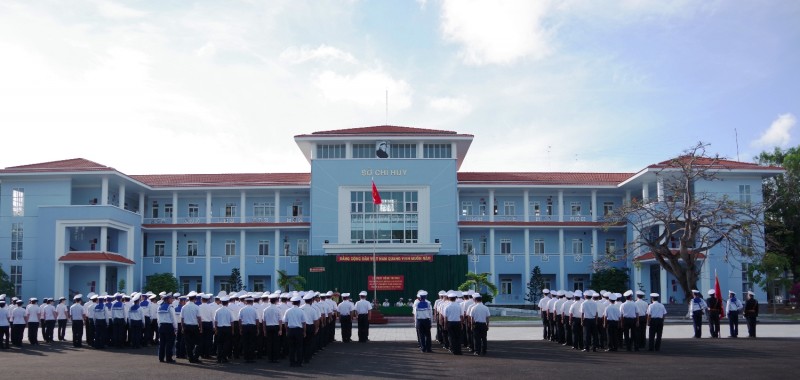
point(778, 134)
point(117, 11)
point(450, 104)
point(321, 53)
point(497, 32)
point(367, 89)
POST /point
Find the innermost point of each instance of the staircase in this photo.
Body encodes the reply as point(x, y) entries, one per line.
point(676, 310)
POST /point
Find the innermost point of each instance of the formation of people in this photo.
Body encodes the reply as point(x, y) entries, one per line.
point(714, 307)
point(592, 321)
point(462, 321)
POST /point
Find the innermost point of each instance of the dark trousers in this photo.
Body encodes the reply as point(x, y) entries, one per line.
point(248, 337)
point(733, 323)
point(424, 334)
point(100, 328)
point(479, 335)
point(62, 329)
point(166, 341)
point(629, 332)
point(5, 337)
point(713, 323)
point(180, 342)
point(33, 332)
point(147, 336)
point(568, 338)
point(223, 341)
point(207, 339)
point(347, 327)
point(191, 338)
point(445, 335)
point(363, 327)
point(17, 331)
point(49, 328)
point(272, 342)
point(545, 335)
point(577, 334)
point(454, 335)
point(654, 336)
point(136, 329)
point(118, 329)
point(308, 343)
point(697, 318)
point(236, 340)
point(77, 332)
point(590, 334)
point(294, 338)
point(611, 334)
point(561, 329)
point(751, 325)
point(439, 329)
point(552, 327)
point(90, 332)
point(332, 329)
point(641, 336)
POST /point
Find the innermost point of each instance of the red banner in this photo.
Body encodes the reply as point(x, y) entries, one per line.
point(385, 258)
point(316, 269)
point(393, 282)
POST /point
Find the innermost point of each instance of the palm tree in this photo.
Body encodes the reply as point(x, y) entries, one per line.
point(477, 281)
point(285, 281)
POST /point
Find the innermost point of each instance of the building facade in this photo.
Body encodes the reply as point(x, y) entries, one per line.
point(77, 226)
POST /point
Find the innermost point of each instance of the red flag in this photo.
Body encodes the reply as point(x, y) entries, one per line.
point(719, 295)
point(376, 196)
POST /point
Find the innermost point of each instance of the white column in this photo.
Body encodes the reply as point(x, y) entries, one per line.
point(207, 280)
point(104, 192)
point(491, 255)
point(645, 192)
point(526, 209)
point(594, 244)
point(103, 239)
point(665, 292)
point(348, 151)
point(561, 208)
point(141, 208)
point(101, 282)
point(562, 280)
point(242, 261)
point(277, 206)
point(208, 208)
point(61, 279)
point(242, 202)
point(660, 189)
point(174, 207)
point(277, 253)
point(527, 270)
point(627, 197)
point(122, 196)
point(491, 206)
point(594, 205)
point(174, 250)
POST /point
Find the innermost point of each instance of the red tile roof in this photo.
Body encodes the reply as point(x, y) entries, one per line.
point(543, 178)
point(225, 180)
point(384, 130)
point(71, 165)
point(711, 163)
point(76, 256)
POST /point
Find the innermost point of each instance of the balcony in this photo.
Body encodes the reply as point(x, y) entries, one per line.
point(229, 220)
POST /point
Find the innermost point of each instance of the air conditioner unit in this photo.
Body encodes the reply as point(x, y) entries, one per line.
point(510, 258)
point(156, 260)
point(259, 260)
point(294, 259)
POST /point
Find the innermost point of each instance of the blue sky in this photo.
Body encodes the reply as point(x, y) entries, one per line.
point(213, 87)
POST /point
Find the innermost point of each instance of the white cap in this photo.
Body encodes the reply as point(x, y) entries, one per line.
point(135, 298)
point(477, 295)
point(451, 295)
point(296, 299)
point(442, 293)
point(192, 294)
point(695, 291)
point(546, 291)
point(422, 293)
point(578, 293)
point(308, 296)
point(33, 299)
point(628, 293)
point(569, 294)
point(612, 296)
point(206, 296)
point(225, 299)
point(750, 292)
point(329, 293)
point(274, 296)
point(162, 294)
point(77, 296)
point(639, 293)
point(654, 295)
point(363, 293)
point(711, 292)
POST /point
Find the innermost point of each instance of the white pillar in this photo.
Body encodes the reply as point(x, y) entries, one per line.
point(491, 207)
point(174, 251)
point(242, 261)
point(104, 192)
point(174, 207)
point(101, 283)
point(277, 207)
point(208, 208)
point(561, 208)
point(594, 205)
point(526, 215)
point(348, 152)
point(122, 196)
point(627, 197)
point(527, 270)
point(62, 278)
point(562, 280)
point(242, 202)
point(491, 255)
point(665, 292)
point(103, 239)
point(645, 192)
point(207, 280)
point(660, 188)
point(594, 244)
point(277, 253)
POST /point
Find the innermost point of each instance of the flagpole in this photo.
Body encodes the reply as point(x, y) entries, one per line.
point(374, 246)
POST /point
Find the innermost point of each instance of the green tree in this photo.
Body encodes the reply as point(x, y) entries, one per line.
point(535, 286)
point(287, 282)
point(681, 226)
point(782, 217)
point(236, 280)
point(121, 286)
point(161, 282)
point(6, 286)
point(612, 279)
point(770, 272)
point(479, 282)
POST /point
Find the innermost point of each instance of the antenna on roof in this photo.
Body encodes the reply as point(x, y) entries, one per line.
point(736, 133)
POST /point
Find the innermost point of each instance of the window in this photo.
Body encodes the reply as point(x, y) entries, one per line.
point(505, 246)
point(18, 201)
point(325, 151)
point(230, 247)
point(395, 220)
point(466, 208)
point(611, 246)
point(509, 208)
point(263, 247)
point(466, 247)
point(536, 209)
point(185, 285)
point(302, 247)
point(538, 246)
point(16, 278)
point(155, 209)
point(483, 246)
point(191, 248)
point(198, 286)
point(160, 248)
point(747, 278)
point(437, 151)
point(577, 283)
point(403, 151)
point(286, 247)
point(230, 210)
point(168, 210)
point(263, 209)
point(363, 150)
point(577, 246)
point(16, 241)
point(225, 285)
point(505, 287)
point(549, 207)
point(608, 208)
point(194, 210)
point(744, 194)
point(482, 209)
point(575, 207)
point(258, 285)
point(297, 209)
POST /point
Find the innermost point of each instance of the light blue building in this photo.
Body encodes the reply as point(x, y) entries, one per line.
point(78, 226)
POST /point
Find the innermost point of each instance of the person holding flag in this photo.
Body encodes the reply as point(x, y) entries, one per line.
point(714, 310)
